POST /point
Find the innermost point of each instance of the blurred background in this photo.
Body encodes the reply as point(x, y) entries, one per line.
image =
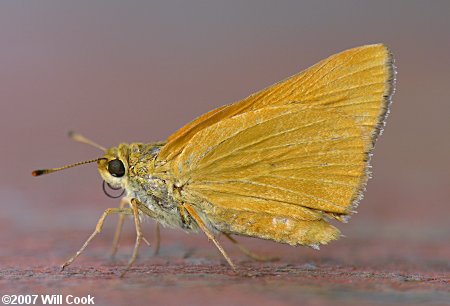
point(126, 71)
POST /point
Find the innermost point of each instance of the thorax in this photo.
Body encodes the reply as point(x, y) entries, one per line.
point(153, 189)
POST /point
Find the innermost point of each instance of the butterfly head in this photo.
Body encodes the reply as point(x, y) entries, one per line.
point(112, 166)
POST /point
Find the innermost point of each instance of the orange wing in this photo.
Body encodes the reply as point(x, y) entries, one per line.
point(275, 173)
point(358, 82)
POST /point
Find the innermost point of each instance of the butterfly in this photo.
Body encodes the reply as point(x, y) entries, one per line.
point(278, 165)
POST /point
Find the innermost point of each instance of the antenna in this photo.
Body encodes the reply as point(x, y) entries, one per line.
point(80, 138)
point(47, 171)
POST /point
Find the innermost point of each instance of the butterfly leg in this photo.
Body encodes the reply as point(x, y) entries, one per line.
point(137, 206)
point(249, 253)
point(98, 229)
point(208, 233)
point(124, 201)
point(139, 235)
point(115, 245)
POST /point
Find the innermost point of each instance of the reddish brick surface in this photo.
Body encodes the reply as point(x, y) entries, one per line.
point(369, 267)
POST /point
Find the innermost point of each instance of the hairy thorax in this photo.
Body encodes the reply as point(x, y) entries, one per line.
point(154, 191)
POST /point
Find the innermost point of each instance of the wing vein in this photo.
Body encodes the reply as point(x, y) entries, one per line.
point(318, 97)
point(348, 75)
point(333, 69)
point(309, 180)
point(238, 148)
point(284, 190)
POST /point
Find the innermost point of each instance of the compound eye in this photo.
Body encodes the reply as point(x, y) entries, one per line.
point(116, 168)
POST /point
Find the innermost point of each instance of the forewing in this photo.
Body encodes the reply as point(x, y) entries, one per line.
point(312, 158)
point(358, 82)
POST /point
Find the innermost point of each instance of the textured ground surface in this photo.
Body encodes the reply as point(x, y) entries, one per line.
point(379, 266)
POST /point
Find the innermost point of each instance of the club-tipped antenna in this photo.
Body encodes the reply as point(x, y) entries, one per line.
point(80, 138)
point(47, 171)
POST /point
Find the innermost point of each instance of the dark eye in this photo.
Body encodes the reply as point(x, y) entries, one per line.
point(116, 168)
